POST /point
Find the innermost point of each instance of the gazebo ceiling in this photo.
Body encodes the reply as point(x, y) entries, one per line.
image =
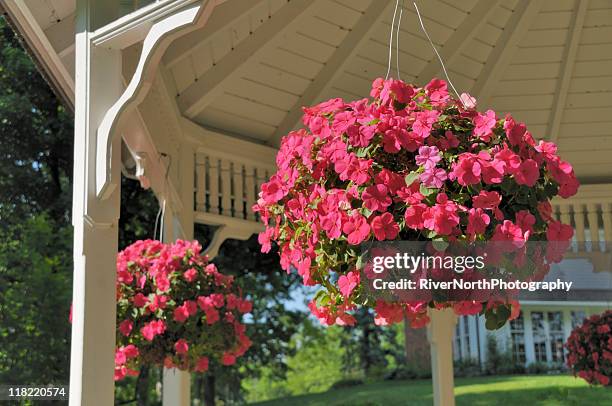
point(251, 68)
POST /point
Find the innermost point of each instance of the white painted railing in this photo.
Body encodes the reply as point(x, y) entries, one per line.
point(590, 213)
point(227, 186)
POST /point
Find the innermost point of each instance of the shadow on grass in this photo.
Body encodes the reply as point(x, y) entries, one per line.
point(483, 391)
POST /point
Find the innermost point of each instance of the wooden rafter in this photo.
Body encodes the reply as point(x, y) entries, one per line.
point(459, 40)
point(198, 95)
point(569, 58)
point(500, 56)
point(225, 15)
point(334, 66)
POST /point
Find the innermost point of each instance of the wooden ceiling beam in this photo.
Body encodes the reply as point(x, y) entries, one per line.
point(567, 68)
point(499, 58)
point(204, 90)
point(224, 16)
point(334, 66)
point(459, 40)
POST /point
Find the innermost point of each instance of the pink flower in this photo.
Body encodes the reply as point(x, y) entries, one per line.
point(356, 228)
point(424, 122)
point(384, 227)
point(466, 170)
point(376, 198)
point(273, 191)
point(528, 173)
point(201, 364)
point(125, 327)
point(228, 359)
point(442, 217)
point(437, 91)
point(486, 200)
point(158, 302)
point(181, 346)
point(484, 124)
point(433, 177)
point(347, 283)
point(511, 233)
point(468, 101)
point(558, 231)
point(153, 328)
point(428, 156)
point(190, 275)
point(525, 220)
point(478, 221)
point(140, 300)
point(414, 216)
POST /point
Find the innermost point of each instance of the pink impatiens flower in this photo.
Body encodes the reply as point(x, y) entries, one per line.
point(181, 346)
point(428, 156)
point(527, 173)
point(484, 124)
point(376, 197)
point(356, 228)
point(384, 227)
point(347, 283)
point(433, 177)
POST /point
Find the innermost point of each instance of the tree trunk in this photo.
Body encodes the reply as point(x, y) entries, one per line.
point(142, 386)
point(209, 389)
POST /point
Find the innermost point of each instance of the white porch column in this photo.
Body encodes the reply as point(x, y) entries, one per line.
point(97, 86)
point(440, 336)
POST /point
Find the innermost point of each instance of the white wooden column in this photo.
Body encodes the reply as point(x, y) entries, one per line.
point(97, 86)
point(440, 336)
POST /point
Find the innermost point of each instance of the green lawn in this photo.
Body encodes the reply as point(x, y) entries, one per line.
point(534, 390)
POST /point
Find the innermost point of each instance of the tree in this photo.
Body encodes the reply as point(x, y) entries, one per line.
point(35, 233)
point(270, 326)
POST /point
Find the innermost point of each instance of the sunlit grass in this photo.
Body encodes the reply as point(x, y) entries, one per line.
point(534, 390)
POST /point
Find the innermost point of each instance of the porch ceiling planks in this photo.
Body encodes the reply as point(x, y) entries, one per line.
point(333, 67)
point(197, 96)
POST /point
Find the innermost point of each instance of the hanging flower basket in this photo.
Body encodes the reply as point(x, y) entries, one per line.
point(412, 164)
point(590, 350)
point(176, 310)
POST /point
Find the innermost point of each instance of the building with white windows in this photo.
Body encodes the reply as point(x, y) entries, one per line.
point(544, 325)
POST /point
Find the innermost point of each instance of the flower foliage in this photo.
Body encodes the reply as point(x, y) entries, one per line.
point(175, 309)
point(590, 349)
point(411, 164)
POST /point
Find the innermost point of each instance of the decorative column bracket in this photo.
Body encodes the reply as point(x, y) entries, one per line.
point(157, 40)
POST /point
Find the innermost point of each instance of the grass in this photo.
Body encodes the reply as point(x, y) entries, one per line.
point(536, 390)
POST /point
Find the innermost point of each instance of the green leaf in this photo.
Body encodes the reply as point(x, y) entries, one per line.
point(411, 177)
point(425, 191)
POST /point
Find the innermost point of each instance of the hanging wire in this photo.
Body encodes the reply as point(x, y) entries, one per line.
point(397, 41)
point(161, 213)
point(437, 54)
point(391, 39)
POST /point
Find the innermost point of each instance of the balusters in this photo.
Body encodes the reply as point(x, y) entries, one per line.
point(226, 188)
point(593, 219)
point(238, 190)
point(251, 195)
point(213, 185)
point(200, 182)
point(579, 223)
point(606, 214)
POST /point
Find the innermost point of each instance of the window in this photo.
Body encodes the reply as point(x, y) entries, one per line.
point(466, 335)
point(539, 336)
point(517, 335)
point(548, 336)
point(555, 336)
point(578, 317)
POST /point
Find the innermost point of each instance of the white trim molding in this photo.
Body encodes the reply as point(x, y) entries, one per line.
point(158, 38)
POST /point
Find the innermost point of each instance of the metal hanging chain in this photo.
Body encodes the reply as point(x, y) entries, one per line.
point(437, 54)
